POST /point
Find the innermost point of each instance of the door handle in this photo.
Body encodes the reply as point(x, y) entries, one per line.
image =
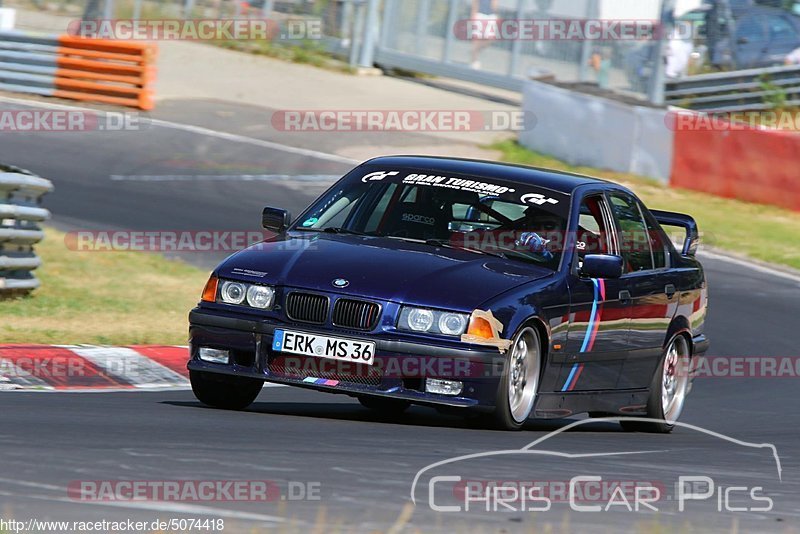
point(624, 297)
point(670, 290)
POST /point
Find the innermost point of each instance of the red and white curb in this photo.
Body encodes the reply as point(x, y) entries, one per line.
point(87, 367)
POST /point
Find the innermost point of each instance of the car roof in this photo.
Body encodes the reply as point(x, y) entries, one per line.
point(563, 182)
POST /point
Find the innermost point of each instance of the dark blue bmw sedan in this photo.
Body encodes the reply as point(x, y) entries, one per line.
point(463, 285)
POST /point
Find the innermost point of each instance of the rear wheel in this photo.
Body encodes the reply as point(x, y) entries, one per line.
point(384, 406)
point(668, 390)
point(224, 391)
point(519, 384)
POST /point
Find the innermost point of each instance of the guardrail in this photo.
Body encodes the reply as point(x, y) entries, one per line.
point(20, 214)
point(78, 68)
point(743, 90)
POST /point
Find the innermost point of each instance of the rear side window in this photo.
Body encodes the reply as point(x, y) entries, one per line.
point(657, 242)
point(752, 29)
point(634, 234)
point(781, 29)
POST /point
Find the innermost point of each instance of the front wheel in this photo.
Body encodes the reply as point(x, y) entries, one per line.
point(223, 391)
point(516, 393)
point(668, 390)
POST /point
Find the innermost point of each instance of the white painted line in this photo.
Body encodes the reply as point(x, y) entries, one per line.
point(200, 131)
point(224, 177)
point(761, 268)
point(157, 506)
point(256, 142)
point(130, 366)
point(180, 508)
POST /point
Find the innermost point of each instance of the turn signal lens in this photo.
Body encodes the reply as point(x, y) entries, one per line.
point(210, 291)
point(480, 327)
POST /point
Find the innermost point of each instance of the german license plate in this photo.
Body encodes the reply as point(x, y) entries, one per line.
point(334, 348)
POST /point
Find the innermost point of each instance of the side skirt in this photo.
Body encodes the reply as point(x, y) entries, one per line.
point(557, 405)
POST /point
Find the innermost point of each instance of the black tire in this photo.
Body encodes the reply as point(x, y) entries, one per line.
point(224, 391)
point(503, 417)
point(655, 409)
point(384, 406)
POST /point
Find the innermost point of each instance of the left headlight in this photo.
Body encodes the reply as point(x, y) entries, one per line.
point(255, 296)
point(432, 321)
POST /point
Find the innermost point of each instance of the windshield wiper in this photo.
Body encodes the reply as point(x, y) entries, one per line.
point(447, 244)
point(339, 230)
point(331, 230)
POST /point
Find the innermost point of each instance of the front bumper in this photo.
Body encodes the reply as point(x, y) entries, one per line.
point(399, 371)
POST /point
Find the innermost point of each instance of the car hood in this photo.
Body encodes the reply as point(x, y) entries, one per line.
point(380, 268)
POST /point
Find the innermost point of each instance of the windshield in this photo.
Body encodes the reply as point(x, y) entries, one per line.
point(509, 219)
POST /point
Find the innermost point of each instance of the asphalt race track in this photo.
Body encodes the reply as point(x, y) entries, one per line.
point(354, 469)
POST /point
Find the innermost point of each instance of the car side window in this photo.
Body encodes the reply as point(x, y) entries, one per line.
point(752, 29)
point(657, 242)
point(634, 235)
point(593, 227)
point(781, 29)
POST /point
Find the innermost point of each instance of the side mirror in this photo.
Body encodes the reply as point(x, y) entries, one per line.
point(602, 266)
point(275, 219)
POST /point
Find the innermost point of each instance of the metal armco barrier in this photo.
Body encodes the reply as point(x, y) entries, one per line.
point(77, 68)
point(741, 90)
point(20, 214)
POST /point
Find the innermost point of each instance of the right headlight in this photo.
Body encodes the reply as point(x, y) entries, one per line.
point(255, 296)
point(433, 321)
point(260, 296)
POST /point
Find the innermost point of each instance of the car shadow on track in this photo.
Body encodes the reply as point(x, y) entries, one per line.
point(415, 416)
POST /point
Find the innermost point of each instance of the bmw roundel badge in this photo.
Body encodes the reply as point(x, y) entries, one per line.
point(341, 282)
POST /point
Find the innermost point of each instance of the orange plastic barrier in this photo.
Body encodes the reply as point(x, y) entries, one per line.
point(753, 165)
point(101, 70)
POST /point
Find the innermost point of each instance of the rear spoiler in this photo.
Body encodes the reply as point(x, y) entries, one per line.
point(668, 218)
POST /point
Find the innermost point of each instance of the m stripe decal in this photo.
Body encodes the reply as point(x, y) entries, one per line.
point(594, 318)
point(573, 377)
point(591, 331)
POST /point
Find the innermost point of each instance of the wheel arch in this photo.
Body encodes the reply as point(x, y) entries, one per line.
point(679, 326)
point(541, 328)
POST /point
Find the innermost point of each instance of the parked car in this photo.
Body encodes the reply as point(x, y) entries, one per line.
point(461, 284)
point(762, 37)
point(686, 51)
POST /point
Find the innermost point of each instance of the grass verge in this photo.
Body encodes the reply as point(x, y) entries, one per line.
point(108, 298)
point(757, 231)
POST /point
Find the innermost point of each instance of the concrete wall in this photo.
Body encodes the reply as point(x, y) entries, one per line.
point(588, 130)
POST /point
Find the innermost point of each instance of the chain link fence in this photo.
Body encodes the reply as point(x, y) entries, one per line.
point(672, 40)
